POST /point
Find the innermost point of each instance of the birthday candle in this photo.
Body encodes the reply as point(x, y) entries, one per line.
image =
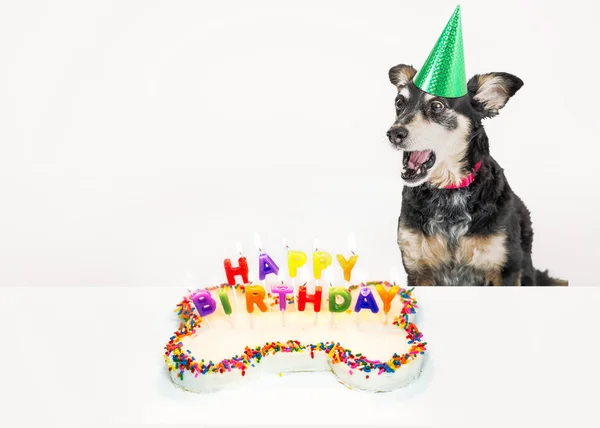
point(282, 291)
point(348, 265)
point(204, 303)
point(240, 270)
point(329, 279)
point(388, 295)
point(224, 298)
point(360, 276)
point(321, 260)
point(295, 260)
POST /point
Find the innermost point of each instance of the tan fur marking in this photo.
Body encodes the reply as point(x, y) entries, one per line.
point(401, 74)
point(494, 278)
point(425, 282)
point(448, 171)
point(482, 252)
point(491, 92)
point(422, 252)
point(486, 253)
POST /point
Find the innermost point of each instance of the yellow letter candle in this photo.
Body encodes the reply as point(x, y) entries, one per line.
point(321, 260)
point(296, 259)
point(347, 265)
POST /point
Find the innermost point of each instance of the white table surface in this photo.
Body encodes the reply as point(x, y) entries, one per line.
point(496, 356)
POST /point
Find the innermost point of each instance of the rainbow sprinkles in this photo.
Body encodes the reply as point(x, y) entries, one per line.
point(349, 336)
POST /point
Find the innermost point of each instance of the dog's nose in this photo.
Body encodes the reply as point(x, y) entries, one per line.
point(396, 134)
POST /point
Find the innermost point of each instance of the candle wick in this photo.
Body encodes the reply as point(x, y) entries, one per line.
point(352, 252)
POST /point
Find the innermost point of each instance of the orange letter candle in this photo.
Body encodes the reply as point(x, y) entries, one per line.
point(387, 296)
point(255, 295)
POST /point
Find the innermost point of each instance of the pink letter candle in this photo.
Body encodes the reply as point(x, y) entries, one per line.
point(282, 291)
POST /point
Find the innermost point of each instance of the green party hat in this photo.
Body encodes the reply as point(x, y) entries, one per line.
point(443, 73)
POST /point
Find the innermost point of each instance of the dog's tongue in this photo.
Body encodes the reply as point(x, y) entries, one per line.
point(418, 158)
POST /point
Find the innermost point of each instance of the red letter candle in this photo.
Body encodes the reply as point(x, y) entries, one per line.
point(232, 272)
point(255, 294)
point(315, 299)
point(204, 302)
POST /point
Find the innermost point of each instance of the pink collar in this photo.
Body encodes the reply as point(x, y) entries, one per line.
point(466, 182)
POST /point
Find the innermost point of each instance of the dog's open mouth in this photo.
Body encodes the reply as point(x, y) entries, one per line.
point(416, 164)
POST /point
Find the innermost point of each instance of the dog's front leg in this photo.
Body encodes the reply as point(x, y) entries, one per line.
point(511, 278)
point(419, 280)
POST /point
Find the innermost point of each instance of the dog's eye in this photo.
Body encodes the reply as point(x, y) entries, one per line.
point(437, 106)
point(400, 103)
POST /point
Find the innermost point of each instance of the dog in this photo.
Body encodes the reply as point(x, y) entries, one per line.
point(460, 222)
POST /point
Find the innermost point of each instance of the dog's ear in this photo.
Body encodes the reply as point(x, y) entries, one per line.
point(401, 74)
point(490, 92)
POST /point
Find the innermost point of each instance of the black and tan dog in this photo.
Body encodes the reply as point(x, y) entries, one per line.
point(460, 222)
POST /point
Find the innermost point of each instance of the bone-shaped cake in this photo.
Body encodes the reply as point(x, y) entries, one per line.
point(372, 344)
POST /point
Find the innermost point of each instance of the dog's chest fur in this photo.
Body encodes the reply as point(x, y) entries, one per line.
point(437, 248)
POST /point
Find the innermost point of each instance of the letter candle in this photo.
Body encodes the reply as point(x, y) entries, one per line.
point(240, 251)
point(255, 295)
point(282, 291)
point(223, 293)
point(388, 295)
point(360, 275)
point(296, 260)
point(321, 260)
point(329, 279)
point(266, 265)
point(204, 303)
point(348, 265)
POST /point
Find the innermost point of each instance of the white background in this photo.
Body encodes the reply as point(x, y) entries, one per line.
point(140, 140)
point(496, 357)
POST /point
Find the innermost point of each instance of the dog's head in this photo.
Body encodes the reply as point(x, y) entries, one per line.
point(435, 133)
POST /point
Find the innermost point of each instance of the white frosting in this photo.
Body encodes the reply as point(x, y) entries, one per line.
point(222, 337)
